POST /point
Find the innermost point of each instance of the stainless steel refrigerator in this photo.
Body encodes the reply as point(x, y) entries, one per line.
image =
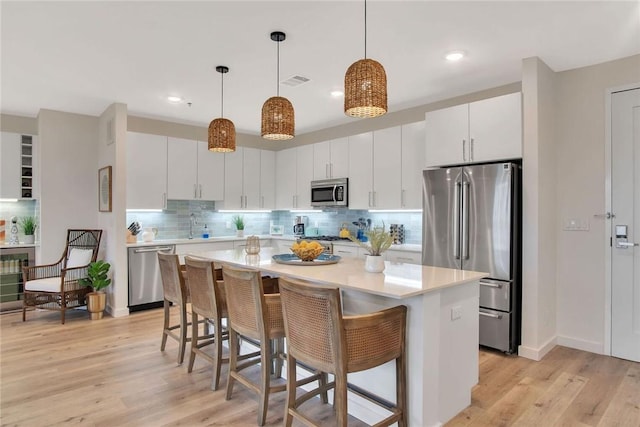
point(471, 221)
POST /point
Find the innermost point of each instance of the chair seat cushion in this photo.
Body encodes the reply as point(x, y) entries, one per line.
point(50, 284)
point(79, 257)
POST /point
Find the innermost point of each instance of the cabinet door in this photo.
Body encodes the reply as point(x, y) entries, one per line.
point(339, 165)
point(10, 162)
point(182, 171)
point(285, 178)
point(146, 171)
point(345, 250)
point(251, 178)
point(304, 176)
point(447, 136)
point(387, 155)
point(321, 160)
point(412, 165)
point(361, 171)
point(267, 179)
point(233, 174)
point(210, 173)
point(495, 128)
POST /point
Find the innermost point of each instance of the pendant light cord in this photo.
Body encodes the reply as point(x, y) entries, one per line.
point(222, 97)
point(365, 29)
point(278, 71)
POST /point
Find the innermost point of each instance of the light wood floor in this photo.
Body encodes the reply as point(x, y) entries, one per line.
point(111, 373)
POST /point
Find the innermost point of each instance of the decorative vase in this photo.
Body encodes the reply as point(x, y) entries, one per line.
point(239, 233)
point(29, 239)
point(374, 263)
point(96, 303)
point(149, 234)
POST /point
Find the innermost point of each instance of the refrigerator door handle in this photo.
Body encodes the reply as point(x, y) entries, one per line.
point(465, 220)
point(456, 219)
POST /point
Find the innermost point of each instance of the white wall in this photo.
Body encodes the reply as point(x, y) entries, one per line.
point(580, 138)
point(112, 152)
point(68, 152)
point(539, 200)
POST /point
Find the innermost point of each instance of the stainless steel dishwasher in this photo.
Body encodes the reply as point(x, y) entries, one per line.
point(145, 282)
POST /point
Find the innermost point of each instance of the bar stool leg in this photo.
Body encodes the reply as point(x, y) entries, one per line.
point(217, 354)
point(194, 341)
point(166, 325)
point(234, 348)
point(265, 360)
point(401, 391)
point(291, 390)
point(340, 400)
point(183, 333)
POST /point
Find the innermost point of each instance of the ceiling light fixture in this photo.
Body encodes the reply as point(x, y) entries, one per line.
point(337, 93)
point(455, 55)
point(222, 132)
point(365, 85)
point(278, 121)
point(174, 99)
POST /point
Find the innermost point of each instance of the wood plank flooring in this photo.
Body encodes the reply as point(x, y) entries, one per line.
point(111, 373)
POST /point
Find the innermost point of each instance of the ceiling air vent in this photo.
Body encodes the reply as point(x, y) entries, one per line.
point(295, 81)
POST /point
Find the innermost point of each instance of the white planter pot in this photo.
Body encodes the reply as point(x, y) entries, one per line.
point(239, 233)
point(29, 239)
point(374, 264)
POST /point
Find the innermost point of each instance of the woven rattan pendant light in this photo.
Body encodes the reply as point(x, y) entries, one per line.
point(278, 121)
point(222, 132)
point(365, 85)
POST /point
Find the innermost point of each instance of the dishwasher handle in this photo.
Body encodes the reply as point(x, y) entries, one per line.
point(154, 249)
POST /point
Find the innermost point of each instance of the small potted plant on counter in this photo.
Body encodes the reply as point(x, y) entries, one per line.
point(97, 278)
point(28, 225)
point(379, 241)
point(238, 221)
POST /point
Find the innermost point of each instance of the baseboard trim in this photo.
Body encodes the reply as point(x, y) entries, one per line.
point(537, 353)
point(590, 346)
point(117, 313)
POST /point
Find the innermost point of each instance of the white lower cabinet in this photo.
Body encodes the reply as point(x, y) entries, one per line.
point(187, 248)
point(403, 256)
point(349, 251)
point(294, 173)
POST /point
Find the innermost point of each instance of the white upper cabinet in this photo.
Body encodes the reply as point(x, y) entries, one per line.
point(331, 159)
point(193, 172)
point(304, 176)
point(182, 171)
point(286, 170)
point(495, 128)
point(146, 171)
point(210, 173)
point(267, 179)
point(294, 173)
point(361, 171)
point(487, 130)
point(413, 163)
point(243, 179)
point(10, 173)
point(387, 156)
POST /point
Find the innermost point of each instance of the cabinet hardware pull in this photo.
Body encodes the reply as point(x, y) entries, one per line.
point(139, 251)
point(493, 316)
point(201, 191)
point(195, 191)
point(326, 170)
point(471, 150)
point(464, 154)
point(164, 200)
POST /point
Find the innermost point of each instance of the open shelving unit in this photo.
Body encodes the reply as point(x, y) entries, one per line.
point(26, 166)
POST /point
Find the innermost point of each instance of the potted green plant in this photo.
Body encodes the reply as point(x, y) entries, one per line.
point(379, 240)
point(98, 279)
point(238, 221)
point(28, 225)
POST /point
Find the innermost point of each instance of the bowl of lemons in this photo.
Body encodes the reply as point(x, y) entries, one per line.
point(307, 251)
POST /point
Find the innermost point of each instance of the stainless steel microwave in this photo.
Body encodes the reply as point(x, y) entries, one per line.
point(330, 192)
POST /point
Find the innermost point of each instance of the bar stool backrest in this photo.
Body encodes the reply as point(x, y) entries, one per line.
point(245, 302)
point(207, 296)
point(173, 284)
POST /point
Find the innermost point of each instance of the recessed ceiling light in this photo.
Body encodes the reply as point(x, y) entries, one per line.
point(456, 55)
point(174, 99)
point(337, 93)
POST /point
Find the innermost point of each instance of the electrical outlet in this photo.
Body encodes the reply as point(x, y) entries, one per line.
point(228, 225)
point(456, 312)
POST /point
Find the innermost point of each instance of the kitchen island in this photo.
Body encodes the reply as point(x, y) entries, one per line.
point(442, 327)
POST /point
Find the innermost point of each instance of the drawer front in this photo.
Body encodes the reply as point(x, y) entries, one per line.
point(495, 294)
point(494, 329)
point(405, 257)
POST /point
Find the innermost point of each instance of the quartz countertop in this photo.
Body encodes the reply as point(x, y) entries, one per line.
point(201, 240)
point(398, 280)
point(19, 245)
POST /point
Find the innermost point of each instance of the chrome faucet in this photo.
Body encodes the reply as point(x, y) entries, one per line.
point(192, 222)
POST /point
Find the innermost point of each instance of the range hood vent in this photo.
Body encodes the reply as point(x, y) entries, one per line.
point(294, 81)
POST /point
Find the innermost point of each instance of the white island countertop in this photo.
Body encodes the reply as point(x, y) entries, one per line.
point(398, 280)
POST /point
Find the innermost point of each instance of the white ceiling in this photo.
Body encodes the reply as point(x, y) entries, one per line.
point(82, 56)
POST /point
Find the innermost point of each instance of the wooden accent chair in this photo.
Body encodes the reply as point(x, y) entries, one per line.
point(56, 286)
point(320, 336)
point(256, 317)
point(209, 301)
point(176, 293)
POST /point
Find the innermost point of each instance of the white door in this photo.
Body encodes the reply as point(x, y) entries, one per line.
point(625, 204)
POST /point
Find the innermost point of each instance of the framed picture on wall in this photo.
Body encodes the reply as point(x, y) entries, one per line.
point(104, 189)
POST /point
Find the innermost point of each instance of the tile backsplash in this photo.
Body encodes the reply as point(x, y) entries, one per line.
point(173, 222)
point(20, 209)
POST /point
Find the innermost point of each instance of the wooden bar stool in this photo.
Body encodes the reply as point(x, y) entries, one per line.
point(319, 336)
point(257, 317)
point(208, 300)
point(175, 291)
